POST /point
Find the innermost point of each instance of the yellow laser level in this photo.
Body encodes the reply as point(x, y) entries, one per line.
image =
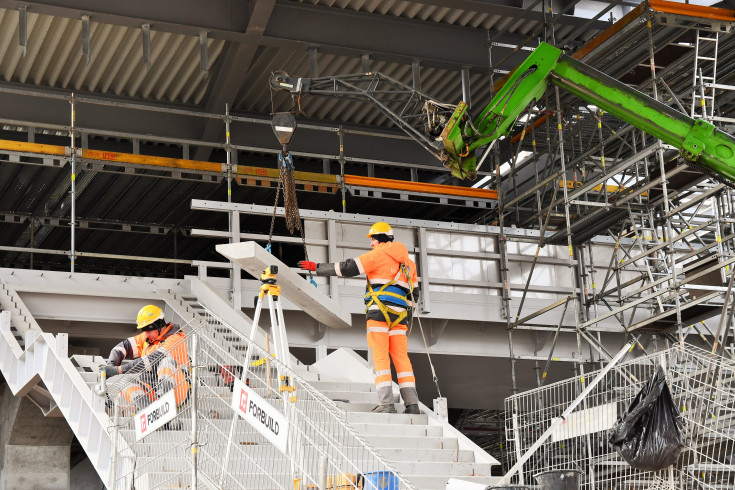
point(268, 283)
point(269, 275)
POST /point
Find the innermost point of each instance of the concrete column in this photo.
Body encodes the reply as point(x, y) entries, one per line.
point(34, 450)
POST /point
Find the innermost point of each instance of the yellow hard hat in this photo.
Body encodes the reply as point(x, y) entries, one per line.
point(380, 228)
point(147, 315)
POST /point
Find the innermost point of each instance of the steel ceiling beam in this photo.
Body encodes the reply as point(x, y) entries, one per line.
point(225, 18)
point(348, 33)
point(298, 26)
point(230, 74)
point(380, 147)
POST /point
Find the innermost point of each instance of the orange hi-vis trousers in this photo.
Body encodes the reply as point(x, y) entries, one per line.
point(386, 344)
point(169, 376)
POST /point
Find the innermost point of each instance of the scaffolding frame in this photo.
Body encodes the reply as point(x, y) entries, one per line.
point(670, 222)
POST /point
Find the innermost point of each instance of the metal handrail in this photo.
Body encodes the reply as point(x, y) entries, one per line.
point(321, 443)
point(328, 406)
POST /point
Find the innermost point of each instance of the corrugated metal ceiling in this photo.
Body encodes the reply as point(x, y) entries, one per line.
point(433, 13)
point(54, 59)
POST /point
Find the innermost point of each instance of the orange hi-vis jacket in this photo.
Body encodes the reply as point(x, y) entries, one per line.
point(391, 277)
point(138, 348)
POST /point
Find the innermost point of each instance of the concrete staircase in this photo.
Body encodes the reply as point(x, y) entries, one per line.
point(423, 450)
point(40, 365)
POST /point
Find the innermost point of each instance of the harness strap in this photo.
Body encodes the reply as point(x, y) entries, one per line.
point(373, 297)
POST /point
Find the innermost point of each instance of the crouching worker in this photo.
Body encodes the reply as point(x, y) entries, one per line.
point(160, 360)
point(390, 295)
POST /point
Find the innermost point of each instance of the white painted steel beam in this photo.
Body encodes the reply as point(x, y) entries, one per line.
point(253, 258)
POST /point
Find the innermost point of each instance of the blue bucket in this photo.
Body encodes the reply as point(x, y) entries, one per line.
point(379, 480)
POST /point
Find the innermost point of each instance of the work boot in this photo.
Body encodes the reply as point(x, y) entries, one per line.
point(385, 408)
point(412, 410)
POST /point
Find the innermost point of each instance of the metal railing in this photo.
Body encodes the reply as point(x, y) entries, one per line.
point(702, 385)
point(225, 451)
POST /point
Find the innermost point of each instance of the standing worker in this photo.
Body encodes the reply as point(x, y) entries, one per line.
point(159, 353)
point(389, 297)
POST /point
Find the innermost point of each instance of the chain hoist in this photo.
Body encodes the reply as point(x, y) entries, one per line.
point(284, 125)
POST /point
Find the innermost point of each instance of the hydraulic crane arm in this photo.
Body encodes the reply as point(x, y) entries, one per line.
point(461, 135)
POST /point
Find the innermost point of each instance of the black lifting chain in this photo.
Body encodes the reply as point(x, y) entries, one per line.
point(287, 181)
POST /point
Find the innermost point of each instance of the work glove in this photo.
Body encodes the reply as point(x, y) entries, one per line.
point(109, 370)
point(307, 265)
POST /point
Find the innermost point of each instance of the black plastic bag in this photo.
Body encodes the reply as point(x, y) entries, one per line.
point(649, 434)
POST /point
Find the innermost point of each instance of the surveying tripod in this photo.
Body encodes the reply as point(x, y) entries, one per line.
point(269, 288)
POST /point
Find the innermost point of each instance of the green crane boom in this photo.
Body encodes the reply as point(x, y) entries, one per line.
point(452, 136)
point(699, 141)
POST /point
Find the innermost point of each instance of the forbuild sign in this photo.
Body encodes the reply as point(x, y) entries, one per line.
point(271, 423)
point(155, 415)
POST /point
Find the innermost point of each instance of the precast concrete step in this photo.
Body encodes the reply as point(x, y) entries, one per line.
point(204, 463)
point(385, 418)
point(353, 396)
point(244, 433)
point(457, 470)
point(398, 430)
point(428, 455)
point(424, 482)
point(182, 450)
point(219, 448)
point(409, 442)
point(87, 376)
point(170, 438)
point(225, 392)
point(324, 386)
point(365, 407)
point(168, 480)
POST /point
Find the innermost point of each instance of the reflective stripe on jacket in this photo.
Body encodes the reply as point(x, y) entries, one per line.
point(392, 274)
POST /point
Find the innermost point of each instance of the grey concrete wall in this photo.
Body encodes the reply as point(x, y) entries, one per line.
point(34, 450)
point(84, 477)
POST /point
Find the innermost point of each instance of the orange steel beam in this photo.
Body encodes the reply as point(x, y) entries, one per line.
point(690, 10)
point(247, 171)
point(238, 170)
point(179, 163)
point(420, 187)
point(32, 147)
point(618, 26)
point(113, 156)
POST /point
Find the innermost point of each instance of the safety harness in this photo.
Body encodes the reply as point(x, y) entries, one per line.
point(391, 293)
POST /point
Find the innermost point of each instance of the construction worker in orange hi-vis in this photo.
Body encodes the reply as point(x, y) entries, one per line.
point(390, 295)
point(160, 360)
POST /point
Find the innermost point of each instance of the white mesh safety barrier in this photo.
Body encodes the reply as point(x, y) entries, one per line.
point(321, 450)
point(702, 385)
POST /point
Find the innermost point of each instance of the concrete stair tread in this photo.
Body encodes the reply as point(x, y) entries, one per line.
point(150, 448)
point(172, 480)
point(396, 455)
point(385, 418)
point(424, 482)
point(366, 407)
point(443, 468)
point(399, 429)
point(391, 442)
point(353, 396)
point(325, 386)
